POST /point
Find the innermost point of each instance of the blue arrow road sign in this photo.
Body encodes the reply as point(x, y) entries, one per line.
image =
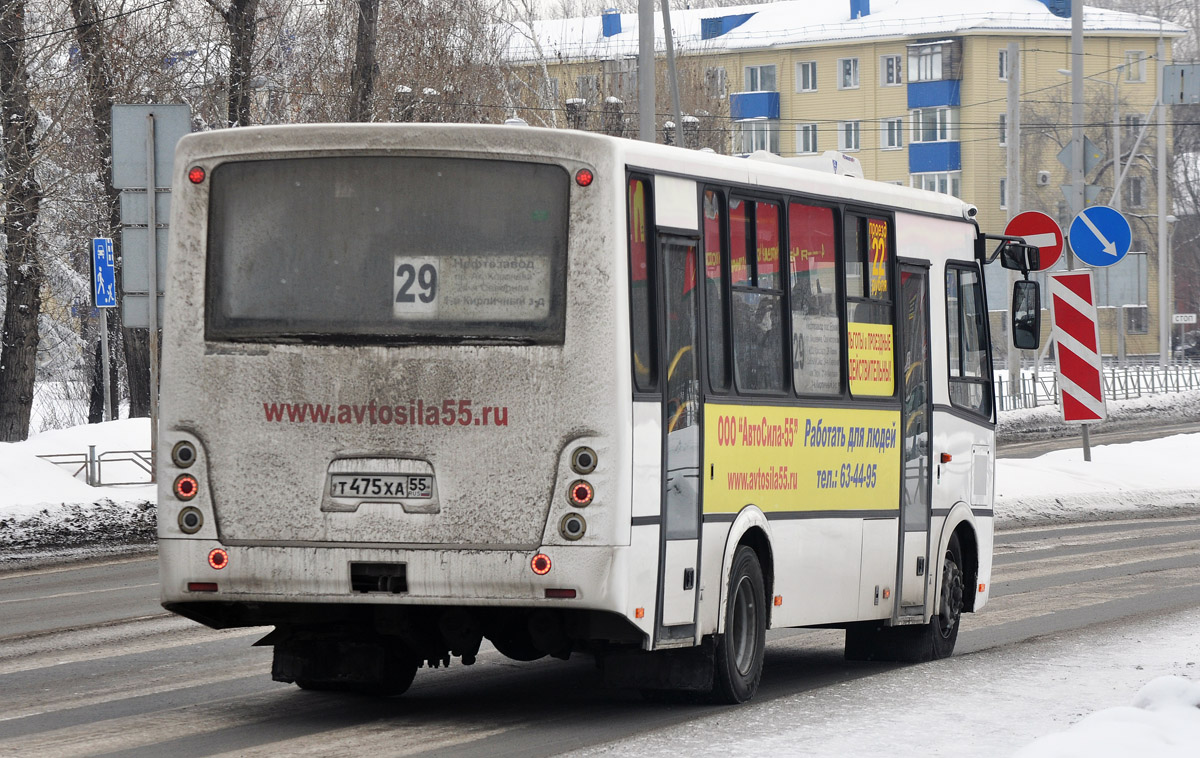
point(104, 275)
point(1100, 236)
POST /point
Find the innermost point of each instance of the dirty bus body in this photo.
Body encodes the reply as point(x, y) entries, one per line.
point(429, 385)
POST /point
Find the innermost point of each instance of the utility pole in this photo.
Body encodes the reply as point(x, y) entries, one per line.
point(1012, 183)
point(646, 70)
point(1077, 190)
point(1164, 282)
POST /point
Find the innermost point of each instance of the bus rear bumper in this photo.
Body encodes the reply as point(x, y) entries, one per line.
point(580, 577)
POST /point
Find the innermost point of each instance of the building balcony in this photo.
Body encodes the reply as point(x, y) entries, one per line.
point(743, 105)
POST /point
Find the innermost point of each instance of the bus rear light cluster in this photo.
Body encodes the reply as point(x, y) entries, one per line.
point(560, 594)
point(540, 564)
point(183, 454)
point(190, 520)
point(186, 487)
point(196, 175)
point(583, 177)
point(572, 526)
point(580, 493)
point(583, 460)
point(218, 558)
point(202, 586)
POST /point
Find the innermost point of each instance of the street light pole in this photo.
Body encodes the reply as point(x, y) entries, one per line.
point(1116, 140)
point(1164, 283)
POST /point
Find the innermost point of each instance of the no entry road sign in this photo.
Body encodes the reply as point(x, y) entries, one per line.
point(1077, 347)
point(1042, 232)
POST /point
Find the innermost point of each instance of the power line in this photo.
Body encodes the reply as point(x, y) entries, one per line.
point(67, 29)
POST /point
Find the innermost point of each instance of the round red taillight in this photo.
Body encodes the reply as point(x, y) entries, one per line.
point(218, 558)
point(581, 493)
point(540, 564)
point(186, 487)
point(583, 177)
point(195, 175)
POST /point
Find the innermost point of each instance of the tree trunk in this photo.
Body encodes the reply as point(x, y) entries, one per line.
point(93, 49)
point(19, 334)
point(243, 25)
point(362, 76)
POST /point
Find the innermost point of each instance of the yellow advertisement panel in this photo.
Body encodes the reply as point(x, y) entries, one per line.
point(800, 459)
point(869, 347)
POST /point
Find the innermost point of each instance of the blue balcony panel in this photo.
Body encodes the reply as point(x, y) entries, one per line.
point(925, 157)
point(933, 94)
point(753, 105)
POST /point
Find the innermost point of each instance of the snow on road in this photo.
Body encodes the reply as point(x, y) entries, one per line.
point(1077, 691)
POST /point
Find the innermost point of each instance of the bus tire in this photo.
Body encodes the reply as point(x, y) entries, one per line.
point(871, 641)
point(943, 627)
point(739, 653)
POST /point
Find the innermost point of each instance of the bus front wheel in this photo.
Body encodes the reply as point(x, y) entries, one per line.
point(739, 653)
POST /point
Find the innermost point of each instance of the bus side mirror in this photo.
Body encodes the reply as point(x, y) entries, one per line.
point(1020, 257)
point(1026, 315)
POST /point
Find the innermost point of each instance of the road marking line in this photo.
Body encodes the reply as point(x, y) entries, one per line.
point(73, 594)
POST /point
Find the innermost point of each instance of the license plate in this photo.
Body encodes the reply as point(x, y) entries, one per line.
point(381, 486)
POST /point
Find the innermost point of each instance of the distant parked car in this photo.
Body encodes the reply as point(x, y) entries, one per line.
point(1189, 346)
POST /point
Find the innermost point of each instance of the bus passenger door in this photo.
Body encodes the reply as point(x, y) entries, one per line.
point(679, 557)
point(915, 442)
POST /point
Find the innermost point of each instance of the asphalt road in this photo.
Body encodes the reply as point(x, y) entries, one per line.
point(90, 666)
point(1098, 436)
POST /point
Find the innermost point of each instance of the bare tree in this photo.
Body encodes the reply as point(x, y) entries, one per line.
point(242, 23)
point(365, 71)
point(22, 193)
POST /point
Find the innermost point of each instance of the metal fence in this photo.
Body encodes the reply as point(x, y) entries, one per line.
point(91, 465)
point(1120, 383)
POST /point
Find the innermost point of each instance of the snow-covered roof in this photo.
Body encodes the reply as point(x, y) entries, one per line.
point(805, 22)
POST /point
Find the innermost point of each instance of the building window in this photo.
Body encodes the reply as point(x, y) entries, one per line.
point(946, 182)
point(1137, 319)
point(1135, 196)
point(934, 125)
point(806, 138)
point(849, 133)
point(760, 78)
point(889, 71)
point(806, 76)
point(1135, 65)
point(1003, 128)
point(756, 134)
point(714, 83)
point(848, 73)
point(925, 63)
point(1003, 193)
point(1004, 65)
point(586, 88)
point(1133, 125)
point(893, 133)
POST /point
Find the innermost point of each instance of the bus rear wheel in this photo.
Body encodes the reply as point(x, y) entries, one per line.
point(739, 653)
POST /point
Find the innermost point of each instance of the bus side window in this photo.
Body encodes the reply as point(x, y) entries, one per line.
point(816, 324)
point(714, 290)
point(641, 293)
point(870, 348)
point(970, 367)
point(756, 296)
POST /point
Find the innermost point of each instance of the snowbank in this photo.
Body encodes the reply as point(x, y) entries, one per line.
point(1164, 722)
point(42, 505)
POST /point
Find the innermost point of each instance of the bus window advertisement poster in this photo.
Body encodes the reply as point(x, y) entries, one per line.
point(869, 347)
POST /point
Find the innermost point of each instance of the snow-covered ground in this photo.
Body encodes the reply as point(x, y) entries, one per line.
point(1115, 692)
point(1146, 695)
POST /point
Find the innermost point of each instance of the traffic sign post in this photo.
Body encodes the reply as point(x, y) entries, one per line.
point(1100, 236)
point(1076, 335)
point(104, 295)
point(1041, 231)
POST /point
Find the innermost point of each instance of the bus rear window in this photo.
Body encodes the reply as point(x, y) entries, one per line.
point(387, 249)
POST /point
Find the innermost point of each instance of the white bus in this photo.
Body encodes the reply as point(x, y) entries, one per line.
point(427, 385)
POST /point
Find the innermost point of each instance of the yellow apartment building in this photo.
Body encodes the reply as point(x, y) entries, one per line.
point(915, 90)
